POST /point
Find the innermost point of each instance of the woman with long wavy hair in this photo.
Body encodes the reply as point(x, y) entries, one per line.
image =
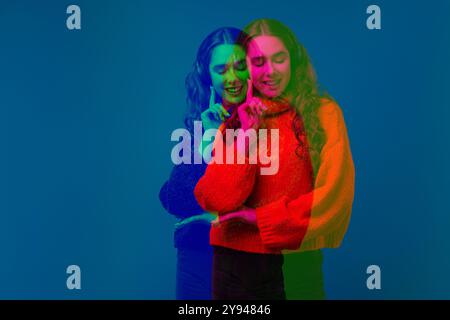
point(306, 204)
point(217, 82)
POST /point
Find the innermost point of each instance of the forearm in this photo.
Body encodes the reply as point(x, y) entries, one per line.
point(224, 187)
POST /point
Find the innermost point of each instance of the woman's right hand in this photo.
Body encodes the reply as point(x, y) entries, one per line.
point(215, 115)
point(250, 111)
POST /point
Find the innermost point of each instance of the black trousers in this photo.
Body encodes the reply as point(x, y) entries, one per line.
point(247, 276)
point(194, 273)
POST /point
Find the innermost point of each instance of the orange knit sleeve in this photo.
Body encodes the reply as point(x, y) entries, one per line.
point(319, 218)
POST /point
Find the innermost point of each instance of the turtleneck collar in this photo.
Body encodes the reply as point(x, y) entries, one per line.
point(275, 106)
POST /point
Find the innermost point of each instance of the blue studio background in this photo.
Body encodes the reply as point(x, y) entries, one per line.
point(86, 118)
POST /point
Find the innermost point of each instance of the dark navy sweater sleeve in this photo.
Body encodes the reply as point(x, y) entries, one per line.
point(177, 193)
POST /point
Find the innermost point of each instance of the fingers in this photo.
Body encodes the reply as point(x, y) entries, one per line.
point(215, 222)
point(213, 113)
point(206, 217)
point(224, 111)
point(260, 107)
point(210, 114)
point(220, 111)
point(245, 216)
point(249, 90)
point(255, 107)
point(212, 97)
point(185, 221)
point(250, 113)
point(217, 112)
point(230, 216)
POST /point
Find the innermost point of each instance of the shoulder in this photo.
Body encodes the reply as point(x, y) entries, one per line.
point(331, 119)
point(329, 110)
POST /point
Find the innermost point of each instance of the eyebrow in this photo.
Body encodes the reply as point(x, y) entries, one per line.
point(223, 66)
point(277, 54)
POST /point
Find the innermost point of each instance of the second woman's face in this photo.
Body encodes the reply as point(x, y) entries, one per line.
point(270, 65)
point(229, 74)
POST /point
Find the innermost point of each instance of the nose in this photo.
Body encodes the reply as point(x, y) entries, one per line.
point(269, 68)
point(231, 75)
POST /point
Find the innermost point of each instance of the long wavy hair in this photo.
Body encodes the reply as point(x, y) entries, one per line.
point(198, 81)
point(302, 91)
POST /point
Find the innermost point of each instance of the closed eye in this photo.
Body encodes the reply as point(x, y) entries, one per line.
point(240, 65)
point(220, 69)
point(258, 61)
point(279, 57)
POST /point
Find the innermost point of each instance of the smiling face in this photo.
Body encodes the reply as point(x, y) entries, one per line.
point(270, 65)
point(229, 74)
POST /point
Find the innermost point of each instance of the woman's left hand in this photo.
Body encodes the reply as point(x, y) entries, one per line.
point(245, 214)
point(204, 218)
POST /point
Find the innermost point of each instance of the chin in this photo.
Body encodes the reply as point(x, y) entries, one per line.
point(234, 100)
point(271, 94)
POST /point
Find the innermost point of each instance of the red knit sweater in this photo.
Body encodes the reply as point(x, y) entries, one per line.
point(226, 187)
